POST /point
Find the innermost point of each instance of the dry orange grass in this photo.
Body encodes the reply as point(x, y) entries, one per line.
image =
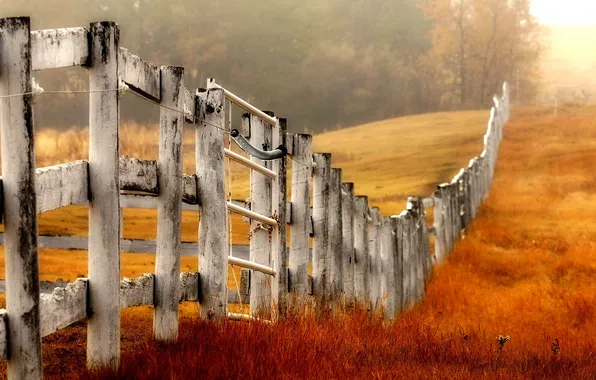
point(525, 269)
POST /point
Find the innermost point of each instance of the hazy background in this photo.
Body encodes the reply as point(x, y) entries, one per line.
point(334, 63)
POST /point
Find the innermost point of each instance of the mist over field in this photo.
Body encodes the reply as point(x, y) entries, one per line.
point(323, 65)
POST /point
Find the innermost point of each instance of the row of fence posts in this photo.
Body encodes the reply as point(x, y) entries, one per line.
point(357, 253)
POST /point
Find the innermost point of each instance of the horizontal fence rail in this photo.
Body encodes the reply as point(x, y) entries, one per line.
point(357, 256)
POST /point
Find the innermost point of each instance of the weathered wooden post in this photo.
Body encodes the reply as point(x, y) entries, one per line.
point(335, 284)
point(416, 249)
point(301, 222)
point(213, 226)
point(425, 247)
point(408, 277)
point(20, 214)
point(279, 253)
point(260, 202)
point(103, 331)
point(347, 211)
point(169, 206)
point(374, 256)
point(320, 262)
point(398, 263)
point(388, 248)
point(361, 281)
point(439, 226)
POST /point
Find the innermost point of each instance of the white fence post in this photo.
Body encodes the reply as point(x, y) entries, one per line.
point(169, 209)
point(301, 221)
point(103, 331)
point(279, 251)
point(335, 283)
point(361, 280)
point(260, 202)
point(347, 207)
point(213, 225)
point(320, 246)
point(20, 214)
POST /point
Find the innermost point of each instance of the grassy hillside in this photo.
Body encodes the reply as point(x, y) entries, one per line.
point(525, 269)
point(387, 160)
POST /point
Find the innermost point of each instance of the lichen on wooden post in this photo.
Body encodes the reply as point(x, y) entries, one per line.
point(20, 215)
point(320, 262)
point(169, 209)
point(301, 215)
point(213, 225)
point(103, 332)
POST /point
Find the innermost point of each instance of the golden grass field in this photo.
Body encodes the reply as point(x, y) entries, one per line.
point(526, 269)
point(401, 157)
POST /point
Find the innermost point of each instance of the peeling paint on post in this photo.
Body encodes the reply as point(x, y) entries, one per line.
point(103, 331)
point(279, 253)
point(169, 206)
point(260, 202)
point(320, 214)
point(347, 211)
point(301, 223)
point(213, 225)
point(20, 215)
point(335, 279)
point(361, 283)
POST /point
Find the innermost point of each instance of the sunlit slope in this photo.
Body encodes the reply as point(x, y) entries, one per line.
point(392, 159)
point(388, 160)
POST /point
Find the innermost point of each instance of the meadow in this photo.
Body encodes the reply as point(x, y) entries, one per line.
point(402, 157)
point(525, 269)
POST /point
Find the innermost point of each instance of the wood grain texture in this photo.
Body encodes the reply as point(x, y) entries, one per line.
point(56, 48)
point(20, 213)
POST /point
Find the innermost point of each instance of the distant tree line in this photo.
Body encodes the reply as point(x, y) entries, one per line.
point(320, 64)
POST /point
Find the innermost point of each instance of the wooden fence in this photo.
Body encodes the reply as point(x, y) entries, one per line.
point(357, 254)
